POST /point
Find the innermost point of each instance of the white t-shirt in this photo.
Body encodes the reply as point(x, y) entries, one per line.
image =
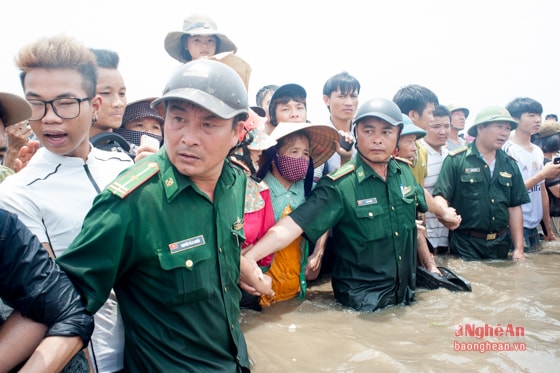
point(530, 163)
point(437, 233)
point(52, 196)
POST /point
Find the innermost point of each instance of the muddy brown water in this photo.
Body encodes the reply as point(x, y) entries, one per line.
point(510, 322)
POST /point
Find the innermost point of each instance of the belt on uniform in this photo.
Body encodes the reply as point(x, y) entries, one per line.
point(484, 236)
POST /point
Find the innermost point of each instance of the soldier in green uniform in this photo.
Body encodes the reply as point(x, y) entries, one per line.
point(167, 234)
point(486, 188)
point(370, 203)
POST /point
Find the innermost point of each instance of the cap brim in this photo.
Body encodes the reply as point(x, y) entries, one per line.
point(473, 130)
point(16, 108)
point(174, 48)
point(323, 138)
point(200, 98)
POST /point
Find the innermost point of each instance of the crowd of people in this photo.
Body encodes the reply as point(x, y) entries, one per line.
point(134, 233)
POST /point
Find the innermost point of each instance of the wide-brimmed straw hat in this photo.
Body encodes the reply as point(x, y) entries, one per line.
point(16, 108)
point(548, 128)
point(196, 24)
point(323, 138)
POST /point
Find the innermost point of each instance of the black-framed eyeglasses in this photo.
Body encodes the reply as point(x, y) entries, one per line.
point(65, 108)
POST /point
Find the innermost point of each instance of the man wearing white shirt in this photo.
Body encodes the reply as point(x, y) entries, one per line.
point(435, 142)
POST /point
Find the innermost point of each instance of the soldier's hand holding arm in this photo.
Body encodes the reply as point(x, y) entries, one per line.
point(445, 214)
point(252, 280)
point(276, 238)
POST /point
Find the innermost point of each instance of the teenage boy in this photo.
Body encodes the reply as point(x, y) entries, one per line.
point(54, 192)
point(340, 95)
point(527, 113)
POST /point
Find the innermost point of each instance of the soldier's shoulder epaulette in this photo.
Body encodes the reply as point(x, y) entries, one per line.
point(404, 160)
point(236, 163)
point(345, 169)
point(133, 178)
point(459, 150)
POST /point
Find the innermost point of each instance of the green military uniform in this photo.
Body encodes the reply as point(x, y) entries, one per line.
point(374, 232)
point(482, 200)
point(172, 256)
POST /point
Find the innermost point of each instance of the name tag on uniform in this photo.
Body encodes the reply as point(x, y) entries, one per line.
point(187, 244)
point(367, 201)
point(471, 170)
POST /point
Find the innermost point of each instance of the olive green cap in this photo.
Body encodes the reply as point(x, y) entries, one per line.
point(491, 114)
point(453, 108)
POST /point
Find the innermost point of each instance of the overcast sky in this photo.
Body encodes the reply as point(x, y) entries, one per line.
point(473, 53)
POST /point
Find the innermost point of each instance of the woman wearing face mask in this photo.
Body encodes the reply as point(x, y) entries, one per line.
point(287, 169)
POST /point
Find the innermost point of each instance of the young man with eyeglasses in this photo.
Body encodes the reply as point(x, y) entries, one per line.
point(53, 193)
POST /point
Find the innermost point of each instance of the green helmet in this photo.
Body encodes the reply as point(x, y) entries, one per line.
point(210, 84)
point(409, 128)
point(453, 108)
point(381, 108)
point(491, 114)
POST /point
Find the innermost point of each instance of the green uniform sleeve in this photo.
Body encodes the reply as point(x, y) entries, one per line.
point(95, 257)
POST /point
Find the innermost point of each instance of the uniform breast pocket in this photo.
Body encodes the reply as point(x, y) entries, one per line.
point(187, 274)
point(506, 185)
point(471, 184)
point(370, 222)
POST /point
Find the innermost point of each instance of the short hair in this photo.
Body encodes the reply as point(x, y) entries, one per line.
point(263, 91)
point(414, 97)
point(522, 105)
point(106, 58)
point(283, 99)
point(554, 117)
point(59, 52)
point(548, 144)
point(343, 81)
point(442, 111)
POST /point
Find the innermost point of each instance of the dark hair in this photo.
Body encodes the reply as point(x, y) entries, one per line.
point(414, 97)
point(283, 100)
point(106, 59)
point(522, 105)
point(442, 111)
point(549, 144)
point(185, 52)
point(343, 81)
point(551, 116)
point(2, 114)
point(263, 91)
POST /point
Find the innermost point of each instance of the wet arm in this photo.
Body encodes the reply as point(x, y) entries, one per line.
point(516, 229)
point(276, 238)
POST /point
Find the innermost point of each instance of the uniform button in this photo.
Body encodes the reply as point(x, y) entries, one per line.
point(232, 327)
point(189, 263)
point(393, 208)
point(472, 181)
point(220, 250)
point(397, 234)
point(225, 289)
point(507, 184)
point(400, 257)
point(370, 214)
point(493, 218)
point(492, 200)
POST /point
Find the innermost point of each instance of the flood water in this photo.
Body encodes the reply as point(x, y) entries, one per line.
point(521, 300)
